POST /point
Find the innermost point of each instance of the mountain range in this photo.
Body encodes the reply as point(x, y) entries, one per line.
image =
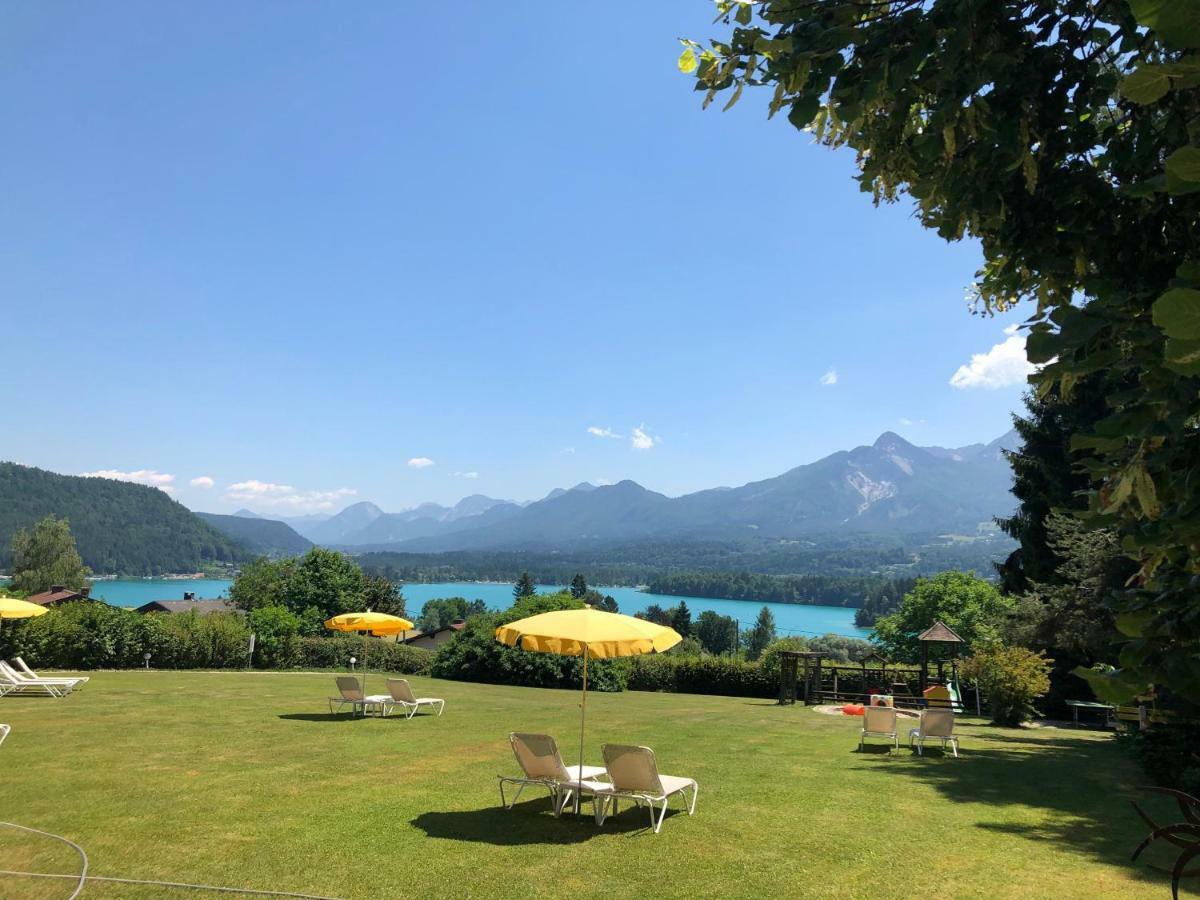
point(890, 489)
point(891, 486)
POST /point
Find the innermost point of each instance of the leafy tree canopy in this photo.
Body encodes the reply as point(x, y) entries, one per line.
point(974, 608)
point(441, 612)
point(761, 635)
point(1062, 135)
point(315, 586)
point(44, 556)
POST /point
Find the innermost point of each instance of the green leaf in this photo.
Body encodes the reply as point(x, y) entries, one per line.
point(1131, 624)
point(1146, 85)
point(737, 94)
point(742, 16)
point(1042, 345)
point(1112, 685)
point(687, 61)
point(1182, 356)
point(1178, 22)
point(1177, 313)
point(1147, 496)
point(1184, 164)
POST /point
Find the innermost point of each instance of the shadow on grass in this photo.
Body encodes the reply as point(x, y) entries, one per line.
point(532, 822)
point(346, 717)
point(319, 717)
point(1075, 784)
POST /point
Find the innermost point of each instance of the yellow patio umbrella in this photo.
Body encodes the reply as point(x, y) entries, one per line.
point(12, 608)
point(589, 633)
point(378, 624)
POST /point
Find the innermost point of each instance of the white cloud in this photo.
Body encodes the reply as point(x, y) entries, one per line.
point(597, 431)
point(420, 462)
point(471, 475)
point(906, 422)
point(829, 378)
point(567, 450)
point(1004, 365)
point(601, 482)
point(202, 481)
point(640, 440)
point(284, 496)
point(150, 477)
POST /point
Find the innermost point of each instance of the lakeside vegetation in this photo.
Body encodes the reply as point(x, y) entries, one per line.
point(632, 564)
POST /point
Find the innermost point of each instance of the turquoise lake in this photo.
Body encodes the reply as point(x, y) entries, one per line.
point(789, 618)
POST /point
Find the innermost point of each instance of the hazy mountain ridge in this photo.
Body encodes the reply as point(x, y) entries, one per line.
point(266, 537)
point(891, 486)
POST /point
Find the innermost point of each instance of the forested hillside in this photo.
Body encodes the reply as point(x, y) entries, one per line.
point(265, 537)
point(119, 528)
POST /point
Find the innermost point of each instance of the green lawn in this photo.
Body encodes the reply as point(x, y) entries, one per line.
point(244, 779)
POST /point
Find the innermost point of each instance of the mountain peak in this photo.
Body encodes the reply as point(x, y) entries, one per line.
point(890, 439)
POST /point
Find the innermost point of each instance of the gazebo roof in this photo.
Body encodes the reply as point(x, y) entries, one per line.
point(940, 632)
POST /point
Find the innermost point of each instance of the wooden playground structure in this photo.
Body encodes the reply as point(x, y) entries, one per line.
point(809, 675)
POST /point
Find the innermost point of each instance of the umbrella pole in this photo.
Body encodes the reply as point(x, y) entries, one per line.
point(582, 721)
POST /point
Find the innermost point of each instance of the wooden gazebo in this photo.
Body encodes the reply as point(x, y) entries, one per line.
point(939, 636)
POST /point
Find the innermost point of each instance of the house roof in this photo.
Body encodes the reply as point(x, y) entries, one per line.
point(48, 598)
point(416, 634)
point(181, 606)
point(939, 631)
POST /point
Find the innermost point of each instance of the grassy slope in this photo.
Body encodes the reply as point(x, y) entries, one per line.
point(243, 779)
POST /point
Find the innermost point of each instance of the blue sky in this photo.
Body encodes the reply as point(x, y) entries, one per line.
point(296, 249)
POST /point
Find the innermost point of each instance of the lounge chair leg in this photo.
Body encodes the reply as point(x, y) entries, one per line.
point(662, 815)
point(695, 794)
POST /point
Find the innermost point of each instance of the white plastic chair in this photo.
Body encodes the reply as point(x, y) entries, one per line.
point(879, 721)
point(935, 724)
point(633, 775)
point(542, 764)
point(402, 696)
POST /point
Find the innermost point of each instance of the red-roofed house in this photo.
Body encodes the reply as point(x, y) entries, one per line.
point(59, 593)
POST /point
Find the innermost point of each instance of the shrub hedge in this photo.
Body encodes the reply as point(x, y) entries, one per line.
point(99, 636)
point(720, 675)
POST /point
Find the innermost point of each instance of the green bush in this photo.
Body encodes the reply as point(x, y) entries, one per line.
point(1168, 754)
point(382, 655)
point(215, 641)
point(98, 636)
point(1011, 678)
point(474, 654)
point(721, 675)
point(277, 637)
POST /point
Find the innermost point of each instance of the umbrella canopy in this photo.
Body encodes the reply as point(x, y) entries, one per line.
point(591, 634)
point(12, 608)
point(567, 632)
point(378, 624)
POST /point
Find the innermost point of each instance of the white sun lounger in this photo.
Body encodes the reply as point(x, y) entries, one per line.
point(633, 775)
point(13, 684)
point(4, 730)
point(402, 696)
point(22, 669)
point(935, 725)
point(351, 692)
point(879, 721)
point(542, 764)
